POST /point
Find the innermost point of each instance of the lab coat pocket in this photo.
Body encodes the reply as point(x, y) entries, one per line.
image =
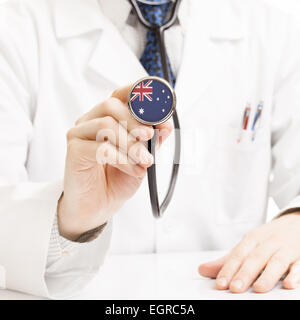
point(241, 175)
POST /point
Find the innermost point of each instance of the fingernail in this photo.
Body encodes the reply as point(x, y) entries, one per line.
point(222, 282)
point(237, 284)
point(294, 283)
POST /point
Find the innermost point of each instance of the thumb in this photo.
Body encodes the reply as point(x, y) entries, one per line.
point(212, 268)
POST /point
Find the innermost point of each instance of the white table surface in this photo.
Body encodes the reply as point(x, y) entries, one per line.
point(162, 276)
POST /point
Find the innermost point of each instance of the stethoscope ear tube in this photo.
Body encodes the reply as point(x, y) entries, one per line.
point(157, 209)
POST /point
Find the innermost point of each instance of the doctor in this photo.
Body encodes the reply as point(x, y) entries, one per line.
point(65, 67)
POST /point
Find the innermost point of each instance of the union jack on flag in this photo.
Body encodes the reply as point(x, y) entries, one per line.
point(142, 90)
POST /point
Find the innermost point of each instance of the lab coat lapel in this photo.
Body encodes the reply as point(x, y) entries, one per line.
point(114, 60)
point(111, 58)
point(211, 23)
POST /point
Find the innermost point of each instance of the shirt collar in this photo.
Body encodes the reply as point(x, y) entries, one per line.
point(76, 17)
point(118, 17)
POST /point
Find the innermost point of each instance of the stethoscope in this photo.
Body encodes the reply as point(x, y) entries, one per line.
point(164, 85)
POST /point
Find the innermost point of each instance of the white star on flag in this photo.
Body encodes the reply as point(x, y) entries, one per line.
point(141, 111)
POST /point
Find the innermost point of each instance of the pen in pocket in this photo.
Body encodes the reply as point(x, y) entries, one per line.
point(256, 119)
point(245, 121)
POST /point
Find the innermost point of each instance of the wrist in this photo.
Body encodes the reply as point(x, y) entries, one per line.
point(74, 228)
point(64, 227)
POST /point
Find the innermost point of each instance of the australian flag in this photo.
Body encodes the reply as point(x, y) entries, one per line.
point(151, 101)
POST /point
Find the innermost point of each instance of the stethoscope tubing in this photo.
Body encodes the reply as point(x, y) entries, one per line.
point(158, 209)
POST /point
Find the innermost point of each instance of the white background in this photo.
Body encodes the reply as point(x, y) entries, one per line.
point(289, 6)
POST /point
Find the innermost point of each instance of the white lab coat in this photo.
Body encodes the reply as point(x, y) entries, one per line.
point(59, 58)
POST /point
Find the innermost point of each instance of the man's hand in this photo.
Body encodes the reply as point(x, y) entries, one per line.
point(261, 259)
point(106, 161)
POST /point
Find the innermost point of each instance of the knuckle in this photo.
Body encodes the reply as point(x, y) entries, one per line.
point(108, 105)
point(115, 102)
point(103, 122)
point(108, 121)
point(79, 120)
point(70, 134)
point(250, 235)
point(236, 257)
point(281, 260)
point(72, 145)
point(256, 256)
point(98, 122)
point(115, 93)
point(105, 107)
point(239, 253)
point(276, 238)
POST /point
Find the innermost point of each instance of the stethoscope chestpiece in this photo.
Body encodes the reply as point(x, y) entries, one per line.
point(152, 101)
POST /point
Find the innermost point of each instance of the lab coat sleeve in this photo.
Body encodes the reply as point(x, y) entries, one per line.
point(70, 265)
point(28, 209)
point(285, 186)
